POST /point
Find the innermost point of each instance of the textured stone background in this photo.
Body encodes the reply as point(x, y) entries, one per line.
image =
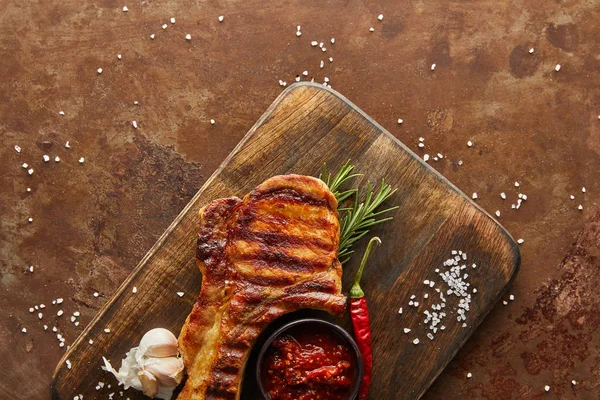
point(93, 222)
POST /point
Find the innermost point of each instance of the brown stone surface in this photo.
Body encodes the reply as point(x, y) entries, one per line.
point(93, 222)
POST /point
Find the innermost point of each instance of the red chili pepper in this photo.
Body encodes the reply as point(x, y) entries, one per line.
point(361, 324)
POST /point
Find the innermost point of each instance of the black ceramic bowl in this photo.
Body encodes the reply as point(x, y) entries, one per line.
point(319, 324)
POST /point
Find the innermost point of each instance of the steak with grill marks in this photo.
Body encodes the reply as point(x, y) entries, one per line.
point(269, 254)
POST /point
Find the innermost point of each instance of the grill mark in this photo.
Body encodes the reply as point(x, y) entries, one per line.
point(278, 259)
point(283, 240)
point(289, 195)
point(311, 287)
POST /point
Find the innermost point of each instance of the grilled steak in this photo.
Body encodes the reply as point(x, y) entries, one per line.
point(269, 254)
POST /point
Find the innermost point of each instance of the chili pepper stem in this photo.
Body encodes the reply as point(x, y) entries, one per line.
point(355, 290)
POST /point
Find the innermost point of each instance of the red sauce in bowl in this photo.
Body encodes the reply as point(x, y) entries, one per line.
point(308, 364)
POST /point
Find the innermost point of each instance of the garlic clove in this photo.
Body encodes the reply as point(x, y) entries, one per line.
point(168, 370)
point(149, 383)
point(158, 342)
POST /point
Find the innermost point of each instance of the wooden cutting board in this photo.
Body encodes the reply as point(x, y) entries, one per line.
point(306, 126)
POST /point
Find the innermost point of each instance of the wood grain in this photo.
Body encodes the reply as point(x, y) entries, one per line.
point(306, 126)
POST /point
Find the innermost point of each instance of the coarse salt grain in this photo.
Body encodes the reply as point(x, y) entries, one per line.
point(180, 294)
point(68, 364)
point(61, 113)
point(119, 56)
point(547, 388)
point(469, 375)
point(557, 68)
point(76, 313)
point(583, 189)
point(172, 20)
point(59, 313)
point(520, 241)
point(433, 67)
point(400, 121)
point(416, 341)
point(580, 207)
point(573, 382)
point(380, 17)
point(81, 160)
point(503, 195)
point(134, 123)
point(90, 341)
point(212, 121)
point(134, 290)
point(504, 302)
point(531, 50)
point(57, 159)
point(29, 189)
point(517, 184)
point(221, 18)
point(400, 310)
point(314, 43)
point(99, 70)
point(152, 36)
point(46, 158)
point(498, 213)
point(40, 315)
point(96, 294)
point(474, 196)
point(330, 59)
point(332, 40)
point(469, 143)
point(371, 29)
point(24, 330)
point(106, 330)
point(406, 330)
point(322, 64)
point(30, 221)
point(125, 9)
point(511, 297)
point(164, 26)
point(426, 157)
point(17, 148)
point(188, 37)
point(67, 145)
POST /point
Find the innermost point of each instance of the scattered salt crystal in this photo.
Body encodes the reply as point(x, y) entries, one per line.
point(322, 64)
point(426, 157)
point(61, 113)
point(380, 17)
point(68, 364)
point(469, 375)
point(106, 330)
point(96, 294)
point(221, 18)
point(125, 9)
point(164, 26)
point(24, 330)
point(59, 300)
point(99, 70)
point(40, 315)
point(474, 196)
point(416, 341)
point(572, 197)
point(547, 387)
point(42, 306)
point(59, 313)
point(520, 241)
point(573, 382)
point(531, 50)
point(31, 309)
point(134, 290)
point(119, 56)
point(180, 294)
point(580, 207)
point(517, 184)
point(30, 221)
point(504, 302)
point(498, 213)
point(30, 171)
point(503, 195)
point(46, 158)
point(330, 59)
point(134, 123)
point(81, 160)
point(90, 341)
point(400, 310)
point(511, 297)
point(212, 121)
point(583, 189)
point(17, 148)
point(371, 29)
point(152, 36)
point(432, 67)
point(406, 330)
point(57, 159)
point(24, 165)
point(188, 37)
point(400, 121)
point(557, 68)
point(469, 143)
point(172, 20)
point(332, 40)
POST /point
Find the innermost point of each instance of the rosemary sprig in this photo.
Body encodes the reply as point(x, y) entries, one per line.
point(334, 183)
point(358, 219)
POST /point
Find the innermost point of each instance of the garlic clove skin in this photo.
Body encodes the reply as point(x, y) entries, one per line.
point(167, 370)
point(149, 383)
point(158, 342)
